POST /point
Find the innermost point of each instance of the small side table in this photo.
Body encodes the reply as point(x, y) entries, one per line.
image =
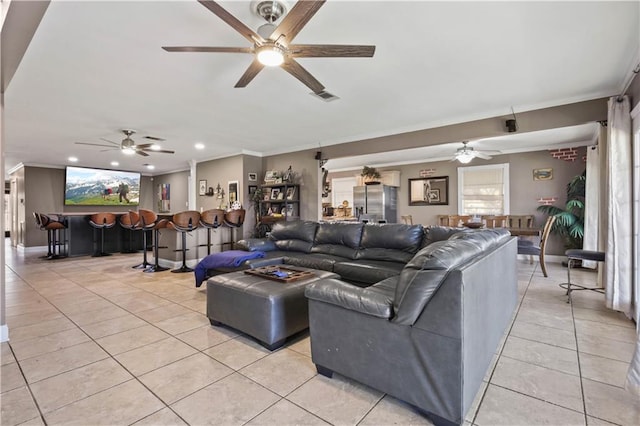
point(575, 255)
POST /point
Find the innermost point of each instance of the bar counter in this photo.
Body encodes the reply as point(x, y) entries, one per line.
point(81, 238)
point(80, 234)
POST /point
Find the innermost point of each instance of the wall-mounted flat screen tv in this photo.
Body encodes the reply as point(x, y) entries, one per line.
point(100, 187)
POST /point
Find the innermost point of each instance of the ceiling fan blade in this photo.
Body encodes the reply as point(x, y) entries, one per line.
point(232, 21)
point(112, 142)
point(331, 51)
point(144, 145)
point(163, 151)
point(153, 138)
point(295, 20)
point(250, 73)
point(95, 144)
point(208, 49)
point(140, 152)
point(296, 70)
point(482, 155)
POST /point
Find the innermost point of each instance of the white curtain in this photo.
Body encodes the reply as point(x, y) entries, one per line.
point(618, 270)
point(618, 265)
point(592, 205)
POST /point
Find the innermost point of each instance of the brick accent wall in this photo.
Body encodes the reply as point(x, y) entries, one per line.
point(547, 201)
point(566, 154)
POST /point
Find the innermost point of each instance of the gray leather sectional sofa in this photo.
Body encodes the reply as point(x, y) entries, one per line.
point(361, 254)
point(425, 316)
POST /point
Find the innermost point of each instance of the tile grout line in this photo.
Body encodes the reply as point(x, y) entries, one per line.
point(28, 386)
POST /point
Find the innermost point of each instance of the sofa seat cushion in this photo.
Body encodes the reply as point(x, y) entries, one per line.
point(367, 271)
point(320, 261)
point(294, 236)
point(376, 301)
point(390, 242)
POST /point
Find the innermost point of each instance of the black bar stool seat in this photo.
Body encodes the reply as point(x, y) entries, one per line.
point(101, 221)
point(211, 219)
point(56, 235)
point(150, 221)
point(184, 222)
point(234, 219)
point(575, 255)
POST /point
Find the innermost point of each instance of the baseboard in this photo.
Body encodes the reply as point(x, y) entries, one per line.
point(4, 333)
point(34, 249)
point(547, 258)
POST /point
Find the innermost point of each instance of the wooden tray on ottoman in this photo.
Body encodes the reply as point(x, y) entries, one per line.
point(269, 272)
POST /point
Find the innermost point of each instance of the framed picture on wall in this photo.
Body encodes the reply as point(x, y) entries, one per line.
point(432, 191)
point(202, 187)
point(253, 177)
point(542, 174)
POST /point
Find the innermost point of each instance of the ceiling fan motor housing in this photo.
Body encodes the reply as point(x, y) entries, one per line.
point(270, 11)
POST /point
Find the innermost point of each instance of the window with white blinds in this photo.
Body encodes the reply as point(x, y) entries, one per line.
point(483, 190)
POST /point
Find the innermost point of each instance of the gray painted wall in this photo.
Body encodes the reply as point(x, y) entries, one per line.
point(304, 163)
point(178, 191)
point(524, 191)
point(41, 189)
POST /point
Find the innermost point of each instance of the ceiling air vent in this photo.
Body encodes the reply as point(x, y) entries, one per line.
point(325, 96)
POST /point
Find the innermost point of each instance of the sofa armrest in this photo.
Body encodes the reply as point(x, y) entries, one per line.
point(350, 297)
point(254, 244)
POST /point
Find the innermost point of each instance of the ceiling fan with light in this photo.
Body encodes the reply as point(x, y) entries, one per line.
point(272, 45)
point(128, 146)
point(467, 153)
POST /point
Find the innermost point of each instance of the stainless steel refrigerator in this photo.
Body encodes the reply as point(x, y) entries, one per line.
point(376, 203)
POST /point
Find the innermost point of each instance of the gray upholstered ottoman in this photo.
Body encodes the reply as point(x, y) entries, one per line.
point(265, 309)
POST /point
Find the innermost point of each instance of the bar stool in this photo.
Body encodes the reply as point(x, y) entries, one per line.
point(234, 219)
point(54, 227)
point(129, 221)
point(101, 221)
point(184, 222)
point(574, 255)
point(149, 221)
point(211, 219)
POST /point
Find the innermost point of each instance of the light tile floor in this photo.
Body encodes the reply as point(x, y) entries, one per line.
point(96, 342)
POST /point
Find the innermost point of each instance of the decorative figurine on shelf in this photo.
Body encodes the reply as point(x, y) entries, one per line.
point(288, 175)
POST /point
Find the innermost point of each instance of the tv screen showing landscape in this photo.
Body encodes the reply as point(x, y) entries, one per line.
point(100, 187)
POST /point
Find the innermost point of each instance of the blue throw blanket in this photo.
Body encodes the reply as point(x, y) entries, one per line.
point(231, 258)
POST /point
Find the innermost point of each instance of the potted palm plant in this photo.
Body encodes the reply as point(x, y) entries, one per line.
point(569, 222)
point(370, 175)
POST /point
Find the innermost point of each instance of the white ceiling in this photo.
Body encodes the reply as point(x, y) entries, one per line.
point(95, 67)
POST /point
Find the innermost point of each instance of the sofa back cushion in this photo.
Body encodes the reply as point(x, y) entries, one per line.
point(391, 242)
point(294, 236)
point(338, 239)
point(434, 234)
point(423, 275)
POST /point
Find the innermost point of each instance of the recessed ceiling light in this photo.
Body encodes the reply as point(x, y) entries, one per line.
point(115, 163)
point(155, 147)
point(199, 146)
point(150, 166)
point(73, 159)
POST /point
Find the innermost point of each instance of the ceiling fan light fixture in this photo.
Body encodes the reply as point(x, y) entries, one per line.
point(465, 157)
point(128, 151)
point(270, 55)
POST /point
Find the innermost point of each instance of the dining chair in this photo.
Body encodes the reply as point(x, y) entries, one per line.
point(407, 220)
point(495, 221)
point(528, 247)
